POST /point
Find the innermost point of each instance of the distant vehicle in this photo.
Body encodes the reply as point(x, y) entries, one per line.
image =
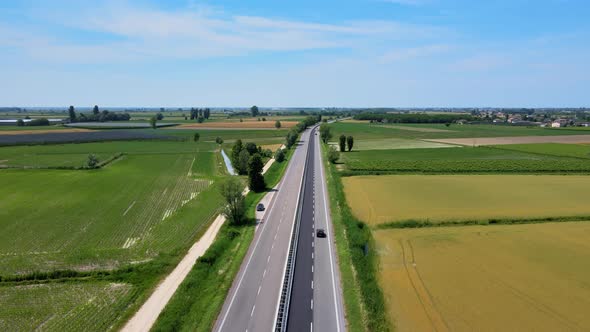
point(321, 233)
point(260, 207)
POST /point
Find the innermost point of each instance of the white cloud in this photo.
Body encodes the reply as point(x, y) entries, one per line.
point(137, 33)
point(413, 52)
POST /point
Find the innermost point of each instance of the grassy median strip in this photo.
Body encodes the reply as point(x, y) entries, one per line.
point(363, 299)
point(199, 299)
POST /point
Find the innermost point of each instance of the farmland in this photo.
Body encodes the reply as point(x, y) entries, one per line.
point(367, 131)
point(63, 306)
point(129, 211)
point(478, 141)
point(475, 278)
point(379, 199)
point(67, 137)
point(523, 159)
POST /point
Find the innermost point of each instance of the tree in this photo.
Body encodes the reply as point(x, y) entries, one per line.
point(153, 122)
point(333, 155)
point(20, 122)
point(251, 148)
point(280, 155)
point(92, 161)
point(291, 139)
point(235, 209)
point(72, 114)
point(196, 137)
point(255, 177)
point(218, 140)
point(200, 119)
point(193, 113)
point(325, 133)
point(207, 113)
point(159, 116)
point(278, 124)
point(350, 142)
point(254, 110)
point(235, 152)
point(243, 158)
point(95, 110)
point(342, 143)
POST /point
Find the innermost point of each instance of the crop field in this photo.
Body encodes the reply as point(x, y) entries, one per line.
point(464, 160)
point(362, 131)
point(83, 306)
point(237, 125)
point(118, 125)
point(487, 278)
point(154, 199)
point(393, 198)
point(40, 130)
point(76, 137)
point(394, 144)
point(479, 141)
point(553, 149)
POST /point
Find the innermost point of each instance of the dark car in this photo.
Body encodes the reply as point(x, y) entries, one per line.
point(260, 207)
point(321, 233)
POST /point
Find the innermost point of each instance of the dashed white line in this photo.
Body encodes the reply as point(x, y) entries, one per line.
point(268, 259)
point(259, 288)
point(252, 313)
point(311, 304)
point(264, 273)
point(312, 285)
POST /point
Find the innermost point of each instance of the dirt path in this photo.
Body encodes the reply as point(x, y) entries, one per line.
point(146, 316)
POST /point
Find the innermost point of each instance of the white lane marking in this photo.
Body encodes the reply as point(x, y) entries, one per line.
point(312, 269)
point(312, 285)
point(322, 171)
point(312, 255)
point(252, 313)
point(312, 244)
point(264, 274)
point(268, 259)
point(311, 326)
point(311, 304)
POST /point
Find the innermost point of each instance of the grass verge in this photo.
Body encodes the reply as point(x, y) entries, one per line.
point(363, 298)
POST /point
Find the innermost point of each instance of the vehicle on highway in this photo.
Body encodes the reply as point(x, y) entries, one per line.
point(260, 207)
point(321, 233)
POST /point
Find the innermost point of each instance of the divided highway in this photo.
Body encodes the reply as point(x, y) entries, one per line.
point(316, 302)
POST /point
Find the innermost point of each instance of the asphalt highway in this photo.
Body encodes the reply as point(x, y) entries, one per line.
point(316, 300)
point(252, 302)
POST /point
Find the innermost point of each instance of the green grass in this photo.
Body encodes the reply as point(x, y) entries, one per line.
point(363, 298)
point(198, 301)
point(364, 131)
point(459, 160)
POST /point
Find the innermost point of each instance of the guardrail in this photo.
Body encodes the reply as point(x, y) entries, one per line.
point(285, 300)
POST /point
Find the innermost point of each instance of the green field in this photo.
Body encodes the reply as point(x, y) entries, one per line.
point(71, 306)
point(552, 149)
point(131, 210)
point(363, 131)
point(522, 159)
point(393, 144)
point(441, 198)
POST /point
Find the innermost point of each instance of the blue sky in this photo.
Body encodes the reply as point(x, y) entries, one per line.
point(345, 53)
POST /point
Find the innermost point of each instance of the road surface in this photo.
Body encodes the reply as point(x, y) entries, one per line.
point(316, 297)
point(252, 302)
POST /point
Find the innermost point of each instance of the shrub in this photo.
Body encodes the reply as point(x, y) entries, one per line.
point(280, 155)
point(333, 155)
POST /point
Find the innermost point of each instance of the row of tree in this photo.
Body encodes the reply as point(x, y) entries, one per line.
point(34, 122)
point(293, 134)
point(200, 114)
point(247, 160)
point(97, 115)
point(344, 142)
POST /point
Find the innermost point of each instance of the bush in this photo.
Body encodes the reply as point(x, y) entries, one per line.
point(20, 122)
point(219, 140)
point(92, 161)
point(333, 155)
point(280, 155)
point(38, 122)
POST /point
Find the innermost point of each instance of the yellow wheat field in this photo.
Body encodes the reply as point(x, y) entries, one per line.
point(379, 199)
point(533, 277)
